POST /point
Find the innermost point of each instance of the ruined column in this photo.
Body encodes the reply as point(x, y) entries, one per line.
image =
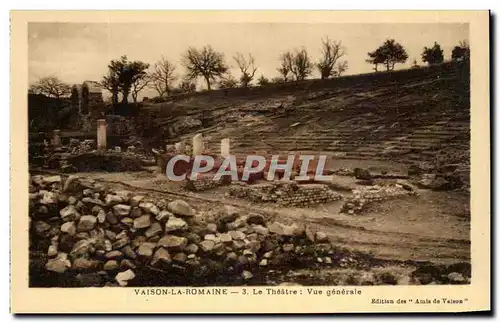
point(225, 147)
point(101, 134)
point(198, 146)
point(56, 138)
point(180, 147)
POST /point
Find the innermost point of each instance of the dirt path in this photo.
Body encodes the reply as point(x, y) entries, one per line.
point(434, 226)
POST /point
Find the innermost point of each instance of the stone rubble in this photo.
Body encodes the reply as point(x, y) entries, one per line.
point(98, 231)
point(83, 228)
point(369, 194)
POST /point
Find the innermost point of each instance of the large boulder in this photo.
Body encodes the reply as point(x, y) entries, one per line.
point(124, 277)
point(142, 222)
point(228, 214)
point(111, 200)
point(153, 230)
point(121, 210)
point(182, 208)
point(48, 198)
point(58, 264)
point(69, 228)
point(149, 207)
point(146, 249)
point(161, 256)
point(87, 223)
point(175, 224)
point(174, 242)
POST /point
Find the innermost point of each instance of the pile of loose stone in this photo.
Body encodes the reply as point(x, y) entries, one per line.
point(365, 195)
point(81, 226)
point(285, 193)
point(77, 147)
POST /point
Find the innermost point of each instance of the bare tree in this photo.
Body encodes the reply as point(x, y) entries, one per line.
point(163, 76)
point(331, 51)
point(286, 60)
point(302, 65)
point(50, 86)
point(340, 68)
point(206, 63)
point(247, 68)
point(138, 85)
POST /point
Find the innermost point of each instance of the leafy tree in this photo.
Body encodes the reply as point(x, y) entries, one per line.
point(375, 58)
point(111, 83)
point(50, 86)
point(122, 74)
point(163, 76)
point(247, 68)
point(331, 52)
point(285, 69)
point(204, 62)
point(461, 52)
point(302, 65)
point(414, 64)
point(388, 54)
point(133, 75)
point(263, 81)
point(433, 55)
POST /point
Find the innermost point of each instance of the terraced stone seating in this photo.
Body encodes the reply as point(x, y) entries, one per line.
point(423, 117)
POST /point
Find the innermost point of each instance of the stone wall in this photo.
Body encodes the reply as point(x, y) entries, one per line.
point(204, 183)
point(286, 194)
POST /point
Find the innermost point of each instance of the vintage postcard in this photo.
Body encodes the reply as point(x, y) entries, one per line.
point(250, 161)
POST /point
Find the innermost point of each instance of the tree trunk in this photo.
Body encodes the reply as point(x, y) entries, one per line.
point(114, 98)
point(166, 87)
point(125, 97)
point(207, 79)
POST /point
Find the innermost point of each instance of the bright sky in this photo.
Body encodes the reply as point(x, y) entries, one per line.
point(75, 52)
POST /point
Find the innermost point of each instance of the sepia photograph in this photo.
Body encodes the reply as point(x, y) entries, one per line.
point(283, 155)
